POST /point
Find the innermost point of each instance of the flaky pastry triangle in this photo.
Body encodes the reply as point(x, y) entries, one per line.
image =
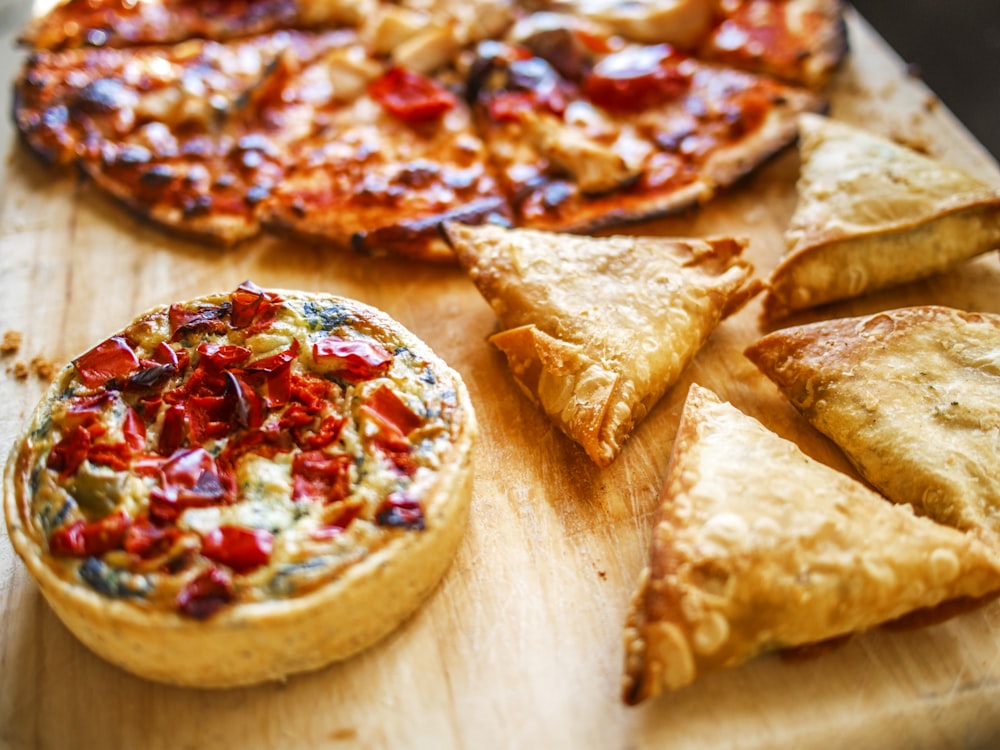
point(597, 329)
point(759, 547)
point(910, 396)
point(873, 214)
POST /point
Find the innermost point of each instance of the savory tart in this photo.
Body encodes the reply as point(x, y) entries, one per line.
point(759, 547)
point(872, 214)
point(596, 329)
point(909, 395)
point(243, 486)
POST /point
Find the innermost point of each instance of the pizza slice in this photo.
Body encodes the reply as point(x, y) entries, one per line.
point(194, 136)
point(873, 214)
point(909, 395)
point(380, 174)
point(759, 547)
point(127, 23)
point(596, 329)
point(800, 41)
point(586, 134)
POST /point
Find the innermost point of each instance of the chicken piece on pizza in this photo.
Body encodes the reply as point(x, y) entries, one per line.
point(381, 173)
point(128, 23)
point(243, 486)
point(872, 214)
point(759, 547)
point(596, 329)
point(683, 23)
point(425, 35)
point(909, 395)
point(587, 133)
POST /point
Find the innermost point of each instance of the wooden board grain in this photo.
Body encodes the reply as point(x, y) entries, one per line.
point(520, 646)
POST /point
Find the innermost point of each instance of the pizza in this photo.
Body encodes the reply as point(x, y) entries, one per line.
point(366, 126)
point(596, 329)
point(243, 486)
point(758, 547)
point(887, 213)
point(800, 41)
point(908, 396)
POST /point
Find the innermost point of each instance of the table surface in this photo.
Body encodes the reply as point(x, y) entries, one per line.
point(520, 646)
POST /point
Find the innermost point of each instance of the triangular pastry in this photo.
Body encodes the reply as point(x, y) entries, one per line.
point(759, 547)
point(873, 214)
point(597, 329)
point(910, 396)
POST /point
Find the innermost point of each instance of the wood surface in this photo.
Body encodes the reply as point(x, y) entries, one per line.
point(520, 646)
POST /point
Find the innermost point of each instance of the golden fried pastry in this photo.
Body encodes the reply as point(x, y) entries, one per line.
point(597, 329)
point(910, 396)
point(873, 214)
point(760, 547)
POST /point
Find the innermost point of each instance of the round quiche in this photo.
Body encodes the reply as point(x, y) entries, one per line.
point(243, 486)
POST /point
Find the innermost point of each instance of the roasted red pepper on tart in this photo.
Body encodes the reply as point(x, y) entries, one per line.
point(240, 450)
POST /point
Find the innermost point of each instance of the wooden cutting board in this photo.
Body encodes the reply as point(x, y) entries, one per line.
point(520, 646)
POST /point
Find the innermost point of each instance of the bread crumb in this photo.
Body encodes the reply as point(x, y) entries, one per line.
point(20, 370)
point(43, 367)
point(11, 342)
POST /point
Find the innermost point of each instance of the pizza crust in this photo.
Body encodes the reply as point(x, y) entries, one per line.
point(759, 547)
point(879, 209)
point(265, 637)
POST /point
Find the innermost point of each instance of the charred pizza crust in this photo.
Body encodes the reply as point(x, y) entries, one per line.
point(759, 547)
point(597, 329)
point(908, 395)
point(243, 486)
point(880, 210)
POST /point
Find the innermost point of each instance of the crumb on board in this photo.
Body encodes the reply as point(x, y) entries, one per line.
point(602, 575)
point(43, 367)
point(10, 342)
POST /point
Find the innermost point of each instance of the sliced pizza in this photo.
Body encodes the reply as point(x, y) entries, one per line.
point(127, 23)
point(872, 214)
point(596, 329)
point(800, 41)
point(243, 486)
point(191, 136)
point(759, 547)
point(909, 396)
point(587, 133)
point(381, 173)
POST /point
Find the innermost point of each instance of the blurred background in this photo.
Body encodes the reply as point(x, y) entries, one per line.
point(954, 46)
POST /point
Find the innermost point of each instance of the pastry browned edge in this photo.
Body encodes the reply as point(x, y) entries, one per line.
point(596, 329)
point(759, 547)
point(382, 541)
point(909, 395)
point(872, 214)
